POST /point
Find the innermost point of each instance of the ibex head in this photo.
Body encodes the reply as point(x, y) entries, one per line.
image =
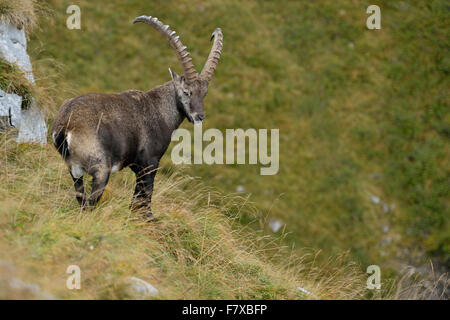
point(190, 88)
point(190, 96)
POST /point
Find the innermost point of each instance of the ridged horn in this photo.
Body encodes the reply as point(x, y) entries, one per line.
point(214, 55)
point(174, 41)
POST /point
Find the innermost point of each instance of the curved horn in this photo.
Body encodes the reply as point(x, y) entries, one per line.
point(214, 55)
point(175, 43)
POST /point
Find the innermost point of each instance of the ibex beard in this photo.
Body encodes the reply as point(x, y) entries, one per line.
point(100, 133)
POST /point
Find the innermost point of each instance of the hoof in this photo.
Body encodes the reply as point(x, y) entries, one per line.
point(149, 217)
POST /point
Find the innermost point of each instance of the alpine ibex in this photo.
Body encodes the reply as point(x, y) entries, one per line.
point(100, 133)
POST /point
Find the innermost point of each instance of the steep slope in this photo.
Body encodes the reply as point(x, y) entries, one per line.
point(363, 115)
point(196, 250)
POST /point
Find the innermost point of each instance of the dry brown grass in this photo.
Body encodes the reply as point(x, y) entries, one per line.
point(22, 13)
point(197, 249)
point(13, 80)
point(413, 285)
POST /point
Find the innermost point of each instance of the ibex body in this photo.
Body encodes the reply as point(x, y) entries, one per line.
point(101, 133)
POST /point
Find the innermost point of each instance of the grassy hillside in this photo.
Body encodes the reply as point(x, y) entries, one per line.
point(360, 112)
point(364, 149)
point(196, 250)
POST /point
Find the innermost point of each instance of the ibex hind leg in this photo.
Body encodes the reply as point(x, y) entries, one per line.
point(79, 189)
point(100, 177)
point(87, 156)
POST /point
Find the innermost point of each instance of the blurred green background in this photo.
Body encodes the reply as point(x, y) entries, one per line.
point(363, 114)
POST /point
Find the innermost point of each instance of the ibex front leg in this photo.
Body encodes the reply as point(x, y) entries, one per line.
point(145, 177)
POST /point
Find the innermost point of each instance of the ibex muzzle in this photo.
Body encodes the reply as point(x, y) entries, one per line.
point(101, 133)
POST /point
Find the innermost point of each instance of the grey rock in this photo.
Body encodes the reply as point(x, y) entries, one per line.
point(32, 127)
point(307, 292)
point(11, 107)
point(142, 287)
point(31, 288)
point(13, 48)
point(30, 122)
point(374, 199)
point(275, 225)
point(12, 286)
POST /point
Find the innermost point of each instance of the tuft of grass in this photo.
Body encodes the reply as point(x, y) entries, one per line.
point(21, 13)
point(12, 80)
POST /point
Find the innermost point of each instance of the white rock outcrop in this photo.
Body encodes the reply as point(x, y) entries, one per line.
point(13, 48)
point(32, 127)
point(11, 108)
point(30, 122)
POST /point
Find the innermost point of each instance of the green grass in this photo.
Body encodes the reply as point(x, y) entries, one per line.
point(361, 112)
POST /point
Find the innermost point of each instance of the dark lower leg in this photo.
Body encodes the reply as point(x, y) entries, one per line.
point(79, 190)
point(100, 178)
point(139, 200)
point(144, 189)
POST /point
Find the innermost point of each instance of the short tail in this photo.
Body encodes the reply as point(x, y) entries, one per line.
point(60, 142)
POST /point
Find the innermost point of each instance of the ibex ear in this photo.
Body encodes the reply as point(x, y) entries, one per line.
point(174, 76)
